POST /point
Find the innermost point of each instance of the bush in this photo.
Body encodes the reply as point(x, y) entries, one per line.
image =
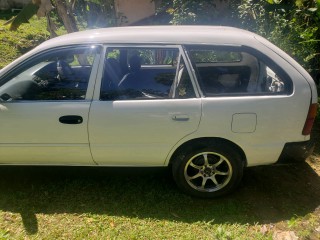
point(16, 43)
point(293, 25)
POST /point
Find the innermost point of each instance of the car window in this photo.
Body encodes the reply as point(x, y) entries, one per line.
point(214, 56)
point(236, 72)
point(62, 74)
point(145, 73)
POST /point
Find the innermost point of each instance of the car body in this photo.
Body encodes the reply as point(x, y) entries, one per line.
point(207, 101)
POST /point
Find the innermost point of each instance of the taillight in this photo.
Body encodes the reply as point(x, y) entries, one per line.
point(310, 119)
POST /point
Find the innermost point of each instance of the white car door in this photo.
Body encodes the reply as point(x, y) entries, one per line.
point(44, 105)
point(139, 116)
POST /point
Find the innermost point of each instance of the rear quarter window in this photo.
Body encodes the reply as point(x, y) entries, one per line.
point(237, 71)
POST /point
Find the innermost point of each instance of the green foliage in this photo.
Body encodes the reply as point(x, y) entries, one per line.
point(190, 11)
point(95, 13)
point(4, 235)
point(114, 53)
point(16, 43)
point(293, 25)
point(211, 56)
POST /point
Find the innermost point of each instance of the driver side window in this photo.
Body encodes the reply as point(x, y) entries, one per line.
point(56, 75)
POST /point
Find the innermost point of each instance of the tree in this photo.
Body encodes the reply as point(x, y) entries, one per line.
point(94, 12)
point(195, 11)
point(65, 13)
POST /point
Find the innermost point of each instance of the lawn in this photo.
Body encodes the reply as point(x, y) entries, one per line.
point(121, 203)
point(109, 203)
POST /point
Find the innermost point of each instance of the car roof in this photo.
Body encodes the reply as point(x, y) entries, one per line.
point(156, 35)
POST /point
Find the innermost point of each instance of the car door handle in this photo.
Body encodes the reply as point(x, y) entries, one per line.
point(180, 117)
point(71, 119)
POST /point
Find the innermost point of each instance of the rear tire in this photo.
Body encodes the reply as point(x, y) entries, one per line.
point(209, 172)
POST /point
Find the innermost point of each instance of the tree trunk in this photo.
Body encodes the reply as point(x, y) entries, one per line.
point(66, 16)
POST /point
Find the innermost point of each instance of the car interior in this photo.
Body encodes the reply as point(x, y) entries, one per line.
point(56, 78)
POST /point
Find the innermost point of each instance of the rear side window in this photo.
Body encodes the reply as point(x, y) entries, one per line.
point(145, 73)
point(233, 71)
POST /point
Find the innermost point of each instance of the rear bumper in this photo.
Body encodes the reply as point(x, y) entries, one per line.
point(296, 152)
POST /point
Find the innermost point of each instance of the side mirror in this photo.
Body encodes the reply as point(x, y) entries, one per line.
point(5, 97)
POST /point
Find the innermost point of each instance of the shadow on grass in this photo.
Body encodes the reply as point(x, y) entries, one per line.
point(267, 194)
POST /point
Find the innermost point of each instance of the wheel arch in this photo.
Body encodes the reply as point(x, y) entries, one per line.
point(203, 142)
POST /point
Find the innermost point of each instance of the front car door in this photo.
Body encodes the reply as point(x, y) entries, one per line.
point(146, 103)
point(44, 106)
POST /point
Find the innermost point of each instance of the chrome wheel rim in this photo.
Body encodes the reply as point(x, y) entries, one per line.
point(208, 171)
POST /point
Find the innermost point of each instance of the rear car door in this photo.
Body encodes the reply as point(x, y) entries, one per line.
point(146, 104)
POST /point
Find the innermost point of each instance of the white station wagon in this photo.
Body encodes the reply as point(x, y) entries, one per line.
point(205, 101)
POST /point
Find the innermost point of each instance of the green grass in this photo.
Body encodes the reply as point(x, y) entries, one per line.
point(104, 203)
point(83, 203)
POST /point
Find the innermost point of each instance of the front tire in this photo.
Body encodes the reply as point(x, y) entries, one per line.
point(209, 172)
